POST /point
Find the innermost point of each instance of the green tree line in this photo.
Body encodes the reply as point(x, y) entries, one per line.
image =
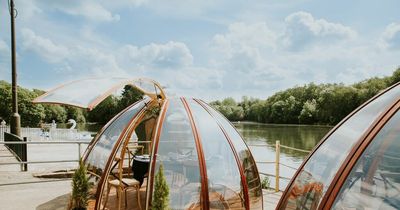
point(34, 114)
point(308, 104)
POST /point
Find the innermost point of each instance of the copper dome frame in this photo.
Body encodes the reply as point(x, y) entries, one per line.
point(355, 153)
point(123, 138)
point(203, 170)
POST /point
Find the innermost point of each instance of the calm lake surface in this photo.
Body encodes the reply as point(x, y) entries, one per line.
point(297, 136)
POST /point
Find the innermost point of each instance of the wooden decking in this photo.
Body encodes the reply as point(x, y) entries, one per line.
point(132, 200)
point(271, 199)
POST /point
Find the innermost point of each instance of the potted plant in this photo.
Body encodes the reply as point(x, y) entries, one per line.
point(80, 188)
point(265, 184)
point(161, 191)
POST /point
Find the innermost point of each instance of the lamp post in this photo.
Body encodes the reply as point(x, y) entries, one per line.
point(15, 118)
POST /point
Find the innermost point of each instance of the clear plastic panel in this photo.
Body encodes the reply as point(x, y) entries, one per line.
point(374, 182)
point(147, 86)
point(82, 93)
point(105, 144)
point(178, 155)
point(314, 179)
point(247, 161)
point(224, 180)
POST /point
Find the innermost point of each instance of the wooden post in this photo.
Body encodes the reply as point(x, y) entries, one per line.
point(277, 157)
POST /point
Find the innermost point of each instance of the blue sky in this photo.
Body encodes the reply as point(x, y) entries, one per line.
point(209, 49)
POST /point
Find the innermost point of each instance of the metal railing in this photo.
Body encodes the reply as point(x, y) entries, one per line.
point(18, 150)
point(78, 143)
point(44, 134)
point(277, 161)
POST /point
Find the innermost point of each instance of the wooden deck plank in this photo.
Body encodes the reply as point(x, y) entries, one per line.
point(271, 199)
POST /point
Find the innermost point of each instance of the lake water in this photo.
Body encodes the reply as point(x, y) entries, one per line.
point(297, 136)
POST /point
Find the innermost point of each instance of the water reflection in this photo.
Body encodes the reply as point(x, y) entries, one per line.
point(297, 136)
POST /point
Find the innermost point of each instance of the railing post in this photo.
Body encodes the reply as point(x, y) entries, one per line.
point(24, 153)
point(277, 157)
point(79, 151)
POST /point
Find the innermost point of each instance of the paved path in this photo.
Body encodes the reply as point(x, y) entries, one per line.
point(25, 196)
point(34, 195)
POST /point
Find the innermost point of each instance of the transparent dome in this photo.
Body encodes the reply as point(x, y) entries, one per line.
point(356, 165)
point(205, 161)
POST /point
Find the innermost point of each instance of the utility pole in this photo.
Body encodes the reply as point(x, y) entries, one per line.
point(15, 118)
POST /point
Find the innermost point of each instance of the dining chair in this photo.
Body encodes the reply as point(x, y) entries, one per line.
point(121, 185)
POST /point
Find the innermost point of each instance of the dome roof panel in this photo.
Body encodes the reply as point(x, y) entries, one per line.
point(373, 181)
point(104, 143)
point(222, 169)
point(176, 151)
point(315, 176)
point(247, 163)
point(206, 163)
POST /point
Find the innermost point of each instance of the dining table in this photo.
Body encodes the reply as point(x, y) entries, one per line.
point(140, 167)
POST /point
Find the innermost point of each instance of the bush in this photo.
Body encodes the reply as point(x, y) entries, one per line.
point(80, 188)
point(265, 183)
point(161, 191)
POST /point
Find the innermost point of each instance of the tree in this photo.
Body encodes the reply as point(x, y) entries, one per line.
point(78, 114)
point(161, 191)
point(54, 112)
point(310, 104)
point(256, 112)
point(80, 188)
point(31, 114)
point(229, 102)
point(103, 112)
point(370, 87)
point(5, 100)
point(130, 95)
point(308, 113)
point(395, 77)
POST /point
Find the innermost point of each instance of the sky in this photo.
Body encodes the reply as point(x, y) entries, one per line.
point(209, 49)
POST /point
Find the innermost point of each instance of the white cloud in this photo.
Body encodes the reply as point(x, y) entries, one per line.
point(97, 11)
point(169, 55)
point(44, 47)
point(91, 10)
point(71, 59)
point(84, 58)
point(187, 8)
point(242, 49)
point(192, 82)
point(95, 61)
point(303, 29)
point(242, 37)
point(255, 56)
point(244, 55)
point(252, 57)
point(390, 38)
